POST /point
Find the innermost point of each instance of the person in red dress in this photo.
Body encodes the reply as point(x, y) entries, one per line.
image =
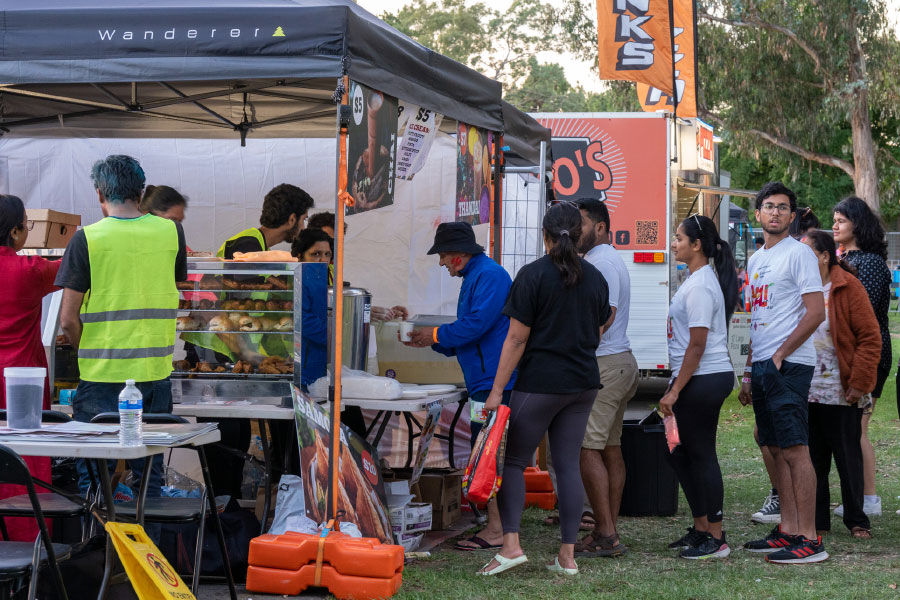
point(26, 280)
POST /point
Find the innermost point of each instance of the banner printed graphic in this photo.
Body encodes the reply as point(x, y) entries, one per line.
point(417, 130)
point(622, 162)
point(474, 147)
point(371, 160)
point(652, 98)
point(635, 41)
point(360, 489)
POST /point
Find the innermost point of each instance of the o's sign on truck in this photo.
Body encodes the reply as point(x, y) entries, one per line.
point(622, 161)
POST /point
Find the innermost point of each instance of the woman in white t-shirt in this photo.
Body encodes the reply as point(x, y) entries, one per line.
point(702, 377)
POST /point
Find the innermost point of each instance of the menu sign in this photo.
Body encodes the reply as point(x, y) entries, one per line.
point(373, 145)
point(473, 174)
point(418, 128)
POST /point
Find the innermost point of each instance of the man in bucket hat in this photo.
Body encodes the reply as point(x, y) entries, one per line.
point(475, 338)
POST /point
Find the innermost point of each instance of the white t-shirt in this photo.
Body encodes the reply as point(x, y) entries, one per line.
point(699, 303)
point(779, 277)
point(605, 258)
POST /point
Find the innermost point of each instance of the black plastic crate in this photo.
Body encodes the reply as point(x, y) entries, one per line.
point(651, 487)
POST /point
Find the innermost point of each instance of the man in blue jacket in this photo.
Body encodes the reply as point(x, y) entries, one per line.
point(475, 338)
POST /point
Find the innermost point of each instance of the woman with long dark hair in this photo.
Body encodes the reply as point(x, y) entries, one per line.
point(702, 378)
point(26, 280)
point(848, 344)
point(860, 232)
point(556, 307)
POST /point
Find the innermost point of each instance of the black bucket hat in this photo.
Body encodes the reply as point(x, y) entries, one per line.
point(455, 237)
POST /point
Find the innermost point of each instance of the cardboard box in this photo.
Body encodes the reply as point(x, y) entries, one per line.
point(52, 229)
point(443, 491)
point(417, 517)
point(409, 541)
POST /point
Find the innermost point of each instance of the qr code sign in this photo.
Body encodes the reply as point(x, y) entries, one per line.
point(647, 232)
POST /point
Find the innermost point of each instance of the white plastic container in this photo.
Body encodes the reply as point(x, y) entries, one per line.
point(24, 396)
point(406, 328)
point(131, 407)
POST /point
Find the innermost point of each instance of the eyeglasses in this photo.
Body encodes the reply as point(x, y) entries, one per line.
point(769, 207)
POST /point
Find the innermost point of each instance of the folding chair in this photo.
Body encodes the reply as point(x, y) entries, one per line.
point(166, 510)
point(53, 505)
point(22, 560)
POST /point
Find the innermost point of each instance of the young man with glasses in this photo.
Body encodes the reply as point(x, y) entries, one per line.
point(787, 306)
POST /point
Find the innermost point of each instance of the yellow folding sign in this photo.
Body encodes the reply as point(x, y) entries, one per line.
point(151, 575)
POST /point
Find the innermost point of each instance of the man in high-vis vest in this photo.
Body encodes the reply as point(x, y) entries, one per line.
point(283, 215)
point(120, 302)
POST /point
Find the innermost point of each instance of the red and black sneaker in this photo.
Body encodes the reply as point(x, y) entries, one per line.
point(775, 541)
point(807, 551)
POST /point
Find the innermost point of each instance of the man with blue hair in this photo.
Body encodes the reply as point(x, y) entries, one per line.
point(120, 301)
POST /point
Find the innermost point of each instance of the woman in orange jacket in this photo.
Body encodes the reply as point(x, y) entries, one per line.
point(848, 347)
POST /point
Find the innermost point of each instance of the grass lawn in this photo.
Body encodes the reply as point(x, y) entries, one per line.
point(857, 568)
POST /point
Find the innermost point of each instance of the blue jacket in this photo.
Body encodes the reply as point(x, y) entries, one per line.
point(476, 337)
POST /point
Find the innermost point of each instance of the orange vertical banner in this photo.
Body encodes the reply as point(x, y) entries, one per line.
point(654, 98)
point(635, 41)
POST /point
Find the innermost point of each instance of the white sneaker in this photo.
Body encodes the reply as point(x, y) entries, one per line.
point(770, 511)
point(872, 508)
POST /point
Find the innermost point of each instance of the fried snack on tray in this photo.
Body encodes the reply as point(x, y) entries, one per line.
point(231, 284)
point(250, 324)
point(210, 283)
point(181, 365)
point(267, 324)
point(207, 304)
point(256, 286)
point(284, 324)
point(219, 323)
point(273, 305)
point(185, 324)
point(184, 285)
point(259, 305)
point(278, 283)
point(242, 367)
point(287, 305)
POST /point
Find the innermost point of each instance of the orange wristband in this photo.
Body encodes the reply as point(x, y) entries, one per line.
point(434, 335)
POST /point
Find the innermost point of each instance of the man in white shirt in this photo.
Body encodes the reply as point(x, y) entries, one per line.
point(602, 465)
point(787, 306)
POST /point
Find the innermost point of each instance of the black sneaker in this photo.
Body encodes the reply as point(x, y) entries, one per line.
point(806, 551)
point(709, 548)
point(773, 542)
point(690, 539)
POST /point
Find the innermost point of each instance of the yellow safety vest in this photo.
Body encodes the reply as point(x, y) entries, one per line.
point(128, 314)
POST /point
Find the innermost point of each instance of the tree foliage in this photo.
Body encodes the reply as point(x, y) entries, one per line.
point(799, 82)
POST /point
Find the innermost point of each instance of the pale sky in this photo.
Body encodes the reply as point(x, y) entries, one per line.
point(577, 72)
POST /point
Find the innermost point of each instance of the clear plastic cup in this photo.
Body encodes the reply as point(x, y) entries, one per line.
point(24, 396)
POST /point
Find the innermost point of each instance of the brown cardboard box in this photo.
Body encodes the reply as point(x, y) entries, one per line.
point(444, 491)
point(52, 229)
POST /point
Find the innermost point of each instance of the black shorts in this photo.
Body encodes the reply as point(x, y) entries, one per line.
point(780, 400)
point(879, 381)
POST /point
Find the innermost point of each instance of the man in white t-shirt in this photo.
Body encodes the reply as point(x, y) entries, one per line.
point(787, 306)
point(602, 465)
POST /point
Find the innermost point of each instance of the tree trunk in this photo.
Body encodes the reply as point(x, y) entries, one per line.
point(865, 179)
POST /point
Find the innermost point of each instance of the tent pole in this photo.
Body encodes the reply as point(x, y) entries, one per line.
point(341, 198)
point(497, 217)
point(542, 198)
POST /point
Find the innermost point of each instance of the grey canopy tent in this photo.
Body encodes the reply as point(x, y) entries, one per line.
point(224, 68)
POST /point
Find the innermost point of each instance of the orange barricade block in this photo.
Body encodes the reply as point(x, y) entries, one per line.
point(359, 557)
point(342, 587)
point(545, 500)
point(537, 480)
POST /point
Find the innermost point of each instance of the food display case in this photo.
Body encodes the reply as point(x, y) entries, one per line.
point(240, 326)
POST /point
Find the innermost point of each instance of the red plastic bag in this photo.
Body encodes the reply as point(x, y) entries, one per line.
point(484, 473)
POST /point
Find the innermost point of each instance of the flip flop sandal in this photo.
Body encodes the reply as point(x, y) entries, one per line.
point(482, 544)
point(558, 568)
point(595, 544)
point(861, 533)
point(503, 564)
point(552, 521)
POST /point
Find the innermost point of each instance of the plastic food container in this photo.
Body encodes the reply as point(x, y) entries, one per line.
point(24, 396)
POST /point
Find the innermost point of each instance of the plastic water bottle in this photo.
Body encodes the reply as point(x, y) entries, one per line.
point(131, 405)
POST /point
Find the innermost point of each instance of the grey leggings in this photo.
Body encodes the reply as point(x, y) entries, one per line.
point(565, 417)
